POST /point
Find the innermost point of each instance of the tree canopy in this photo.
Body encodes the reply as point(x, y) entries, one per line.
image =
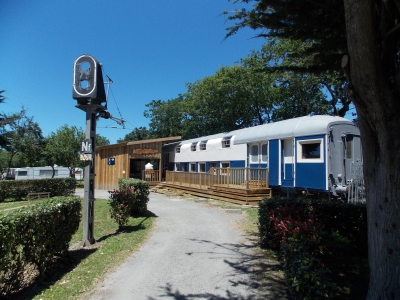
point(256, 90)
point(364, 36)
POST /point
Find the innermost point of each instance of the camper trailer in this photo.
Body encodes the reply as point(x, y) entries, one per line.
point(41, 173)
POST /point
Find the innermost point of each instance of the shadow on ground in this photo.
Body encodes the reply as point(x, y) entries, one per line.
point(266, 280)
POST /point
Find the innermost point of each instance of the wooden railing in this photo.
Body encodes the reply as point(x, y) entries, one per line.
point(244, 178)
point(151, 175)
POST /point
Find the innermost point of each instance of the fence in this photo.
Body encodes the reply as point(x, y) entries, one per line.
point(151, 175)
point(356, 187)
point(227, 177)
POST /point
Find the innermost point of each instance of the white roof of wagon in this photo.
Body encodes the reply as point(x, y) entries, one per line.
point(303, 126)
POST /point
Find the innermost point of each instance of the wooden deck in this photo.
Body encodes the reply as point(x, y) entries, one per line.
point(228, 185)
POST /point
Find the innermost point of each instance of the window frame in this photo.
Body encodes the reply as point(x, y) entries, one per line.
point(226, 142)
point(252, 155)
point(178, 149)
point(202, 166)
point(299, 150)
point(193, 147)
point(203, 145)
point(261, 152)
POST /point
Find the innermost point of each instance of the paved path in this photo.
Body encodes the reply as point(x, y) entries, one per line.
point(196, 251)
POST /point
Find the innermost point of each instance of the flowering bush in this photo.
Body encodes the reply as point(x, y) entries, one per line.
point(121, 203)
point(300, 238)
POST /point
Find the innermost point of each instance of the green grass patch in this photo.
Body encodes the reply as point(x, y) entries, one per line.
point(84, 268)
point(8, 207)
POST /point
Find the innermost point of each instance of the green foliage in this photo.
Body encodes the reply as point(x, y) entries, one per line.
point(308, 277)
point(300, 229)
point(33, 235)
point(348, 219)
point(167, 117)
point(121, 203)
point(21, 135)
point(19, 189)
point(137, 134)
point(63, 145)
point(142, 191)
point(320, 25)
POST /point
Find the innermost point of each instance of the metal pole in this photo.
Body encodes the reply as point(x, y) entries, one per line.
point(88, 206)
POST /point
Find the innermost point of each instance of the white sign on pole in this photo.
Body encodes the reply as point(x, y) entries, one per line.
point(86, 146)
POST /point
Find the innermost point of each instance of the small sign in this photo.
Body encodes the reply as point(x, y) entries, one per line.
point(111, 161)
point(85, 156)
point(86, 146)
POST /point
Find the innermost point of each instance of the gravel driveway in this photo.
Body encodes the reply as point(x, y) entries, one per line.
point(196, 251)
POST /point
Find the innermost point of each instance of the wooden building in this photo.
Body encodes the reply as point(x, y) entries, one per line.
point(128, 160)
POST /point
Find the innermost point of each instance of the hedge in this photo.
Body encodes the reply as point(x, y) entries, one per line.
point(33, 235)
point(142, 191)
point(19, 189)
point(348, 219)
point(299, 229)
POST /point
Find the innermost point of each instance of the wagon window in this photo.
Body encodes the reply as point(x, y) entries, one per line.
point(22, 173)
point(202, 167)
point(226, 142)
point(254, 154)
point(310, 151)
point(264, 152)
point(349, 148)
point(203, 145)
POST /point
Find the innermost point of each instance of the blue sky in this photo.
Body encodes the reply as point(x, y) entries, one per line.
point(150, 49)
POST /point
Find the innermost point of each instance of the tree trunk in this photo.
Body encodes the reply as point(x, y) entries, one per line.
point(378, 109)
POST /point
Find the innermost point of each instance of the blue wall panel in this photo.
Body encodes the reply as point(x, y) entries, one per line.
point(274, 162)
point(311, 175)
point(258, 165)
point(237, 164)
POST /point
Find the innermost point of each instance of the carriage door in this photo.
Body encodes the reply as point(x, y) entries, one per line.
point(287, 162)
point(351, 156)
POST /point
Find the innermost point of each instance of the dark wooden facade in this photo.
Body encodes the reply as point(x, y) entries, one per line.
point(130, 160)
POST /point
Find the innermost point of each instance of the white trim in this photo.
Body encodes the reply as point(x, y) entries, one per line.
point(327, 163)
point(299, 147)
point(94, 74)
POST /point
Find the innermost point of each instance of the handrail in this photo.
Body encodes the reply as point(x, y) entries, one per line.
point(229, 177)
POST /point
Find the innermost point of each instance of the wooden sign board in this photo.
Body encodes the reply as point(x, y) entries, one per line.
point(144, 151)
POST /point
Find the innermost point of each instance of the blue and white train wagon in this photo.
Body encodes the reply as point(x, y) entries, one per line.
point(306, 153)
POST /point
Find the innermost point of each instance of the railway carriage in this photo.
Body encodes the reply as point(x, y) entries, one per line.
point(312, 153)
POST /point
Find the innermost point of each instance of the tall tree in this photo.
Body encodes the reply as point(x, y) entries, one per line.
point(63, 146)
point(166, 117)
point(368, 31)
point(137, 134)
point(22, 135)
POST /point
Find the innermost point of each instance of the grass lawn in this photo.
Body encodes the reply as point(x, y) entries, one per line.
point(7, 207)
point(74, 276)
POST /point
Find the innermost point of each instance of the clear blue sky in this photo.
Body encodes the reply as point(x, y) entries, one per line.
point(150, 49)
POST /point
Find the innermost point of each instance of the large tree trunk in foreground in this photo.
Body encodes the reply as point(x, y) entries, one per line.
point(377, 101)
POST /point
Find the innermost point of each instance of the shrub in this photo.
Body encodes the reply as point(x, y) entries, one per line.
point(299, 229)
point(34, 235)
point(19, 189)
point(142, 190)
point(121, 203)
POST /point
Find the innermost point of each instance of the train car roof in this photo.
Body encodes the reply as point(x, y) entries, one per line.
point(302, 126)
